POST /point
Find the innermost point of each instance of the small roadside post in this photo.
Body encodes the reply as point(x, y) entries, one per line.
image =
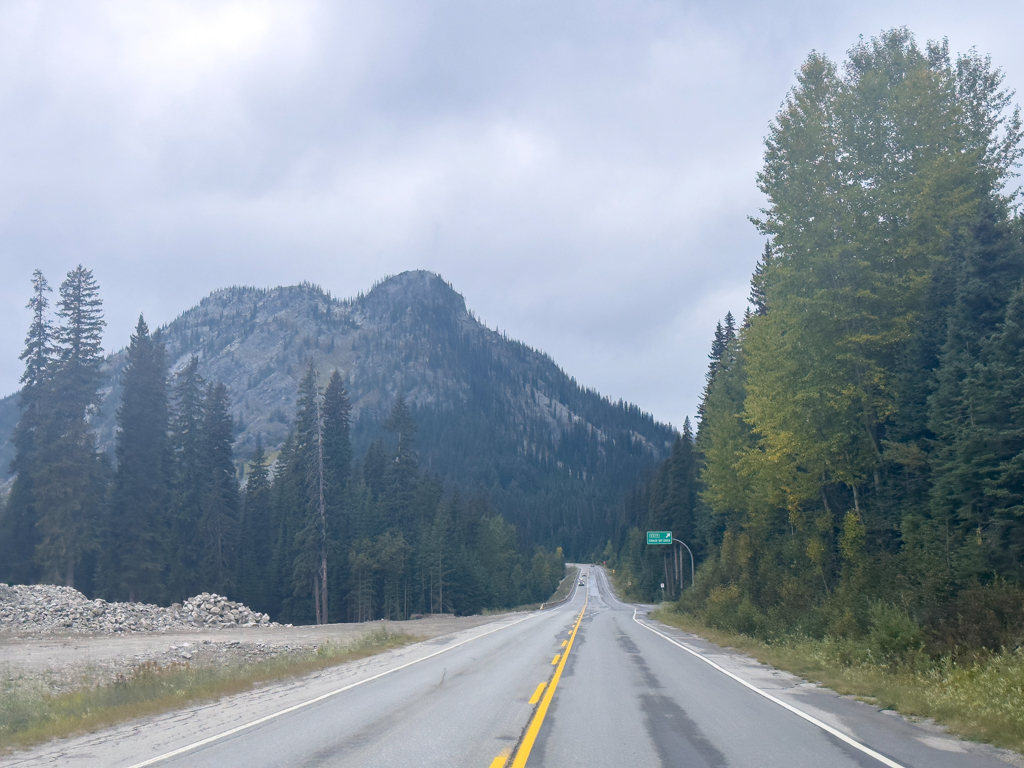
point(693, 570)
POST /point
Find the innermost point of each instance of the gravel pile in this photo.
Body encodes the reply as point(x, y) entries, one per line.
point(43, 608)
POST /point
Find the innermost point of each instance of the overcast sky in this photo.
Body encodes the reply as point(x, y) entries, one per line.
point(581, 172)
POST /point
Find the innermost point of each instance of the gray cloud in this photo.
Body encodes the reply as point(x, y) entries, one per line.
point(581, 172)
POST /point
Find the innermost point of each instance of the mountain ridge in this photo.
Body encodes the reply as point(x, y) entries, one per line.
point(493, 413)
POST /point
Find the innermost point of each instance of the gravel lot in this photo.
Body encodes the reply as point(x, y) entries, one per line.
point(63, 662)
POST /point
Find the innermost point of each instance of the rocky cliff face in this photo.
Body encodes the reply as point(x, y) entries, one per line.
point(492, 412)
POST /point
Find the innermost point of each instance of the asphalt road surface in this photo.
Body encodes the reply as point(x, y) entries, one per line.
point(591, 682)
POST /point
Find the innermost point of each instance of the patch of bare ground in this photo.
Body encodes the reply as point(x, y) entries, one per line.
point(62, 663)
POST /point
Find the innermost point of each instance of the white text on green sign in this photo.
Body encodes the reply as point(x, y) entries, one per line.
point(659, 537)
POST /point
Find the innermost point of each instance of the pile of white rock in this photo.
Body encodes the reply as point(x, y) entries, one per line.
point(50, 609)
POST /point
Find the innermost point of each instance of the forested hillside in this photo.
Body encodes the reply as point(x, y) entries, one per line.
point(319, 460)
point(859, 462)
point(492, 414)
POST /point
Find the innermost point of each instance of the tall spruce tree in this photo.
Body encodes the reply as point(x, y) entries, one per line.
point(220, 503)
point(134, 556)
point(337, 429)
point(188, 481)
point(19, 535)
point(402, 472)
point(342, 499)
point(309, 512)
point(255, 535)
point(69, 488)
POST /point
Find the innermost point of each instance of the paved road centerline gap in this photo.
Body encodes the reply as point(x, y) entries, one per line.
point(536, 694)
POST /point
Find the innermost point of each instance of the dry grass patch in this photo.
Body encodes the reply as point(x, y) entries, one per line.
point(30, 715)
point(981, 698)
point(565, 585)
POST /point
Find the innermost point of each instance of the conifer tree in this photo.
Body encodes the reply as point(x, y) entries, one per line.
point(69, 487)
point(220, 504)
point(965, 414)
point(18, 533)
point(138, 526)
point(374, 465)
point(189, 481)
point(255, 535)
point(1006, 486)
point(401, 473)
point(758, 282)
point(337, 427)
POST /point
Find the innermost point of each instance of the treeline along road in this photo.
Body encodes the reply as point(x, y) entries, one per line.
point(591, 682)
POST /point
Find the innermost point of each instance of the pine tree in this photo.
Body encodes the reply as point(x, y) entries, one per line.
point(758, 282)
point(1006, 362)
point(134, 558)
point(401, 473)
point(18, 533)
point(70, 483)
point(965, 415)
point(255, 535)
point(337, 428)
point(189, 481)
point(220, 505)
point(723, 336)
point(310, 513)
point(342, 501)
point(374, 466)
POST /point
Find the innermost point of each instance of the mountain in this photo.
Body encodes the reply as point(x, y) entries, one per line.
point(492, 413)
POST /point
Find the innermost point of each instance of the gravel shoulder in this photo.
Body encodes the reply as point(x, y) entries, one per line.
point(62, 662)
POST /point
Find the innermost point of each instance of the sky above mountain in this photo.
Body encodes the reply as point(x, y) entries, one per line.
point(582, 172)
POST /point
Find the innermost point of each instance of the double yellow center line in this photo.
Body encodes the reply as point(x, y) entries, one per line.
point(523, 753)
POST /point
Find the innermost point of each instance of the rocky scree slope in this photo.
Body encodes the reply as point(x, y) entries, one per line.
point(43, 609)
point(492, 413)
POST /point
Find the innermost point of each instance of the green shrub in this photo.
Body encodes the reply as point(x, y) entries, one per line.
point(894, 637)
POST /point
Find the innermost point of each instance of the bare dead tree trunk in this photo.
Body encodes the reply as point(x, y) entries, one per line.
point(316, 598)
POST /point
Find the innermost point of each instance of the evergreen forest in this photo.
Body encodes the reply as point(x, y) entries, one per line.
point(858, 466)
point(314, 536)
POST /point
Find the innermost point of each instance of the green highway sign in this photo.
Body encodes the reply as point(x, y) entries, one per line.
point(659, 537)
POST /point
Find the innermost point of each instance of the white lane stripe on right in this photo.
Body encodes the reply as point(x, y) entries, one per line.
point(813, 720)
point(274, 715)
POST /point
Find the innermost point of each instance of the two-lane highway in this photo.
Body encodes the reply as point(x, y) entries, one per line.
point(632, 694)
point(591, 682)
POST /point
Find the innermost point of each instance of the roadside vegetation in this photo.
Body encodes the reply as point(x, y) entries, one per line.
point(564, 588)
point(30, 715)
point(853, 492)
point(572, 572)
point(976, 696)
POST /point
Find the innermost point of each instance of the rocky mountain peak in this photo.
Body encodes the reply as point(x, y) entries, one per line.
point(492, 412)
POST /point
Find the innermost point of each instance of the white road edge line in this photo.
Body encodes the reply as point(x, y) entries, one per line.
point(275, 715)
point(813, 720)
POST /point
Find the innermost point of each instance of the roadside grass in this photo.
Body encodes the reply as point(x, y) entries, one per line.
point(979, 698)
point(572, 573)
point(564, 587)
point(30, 715)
